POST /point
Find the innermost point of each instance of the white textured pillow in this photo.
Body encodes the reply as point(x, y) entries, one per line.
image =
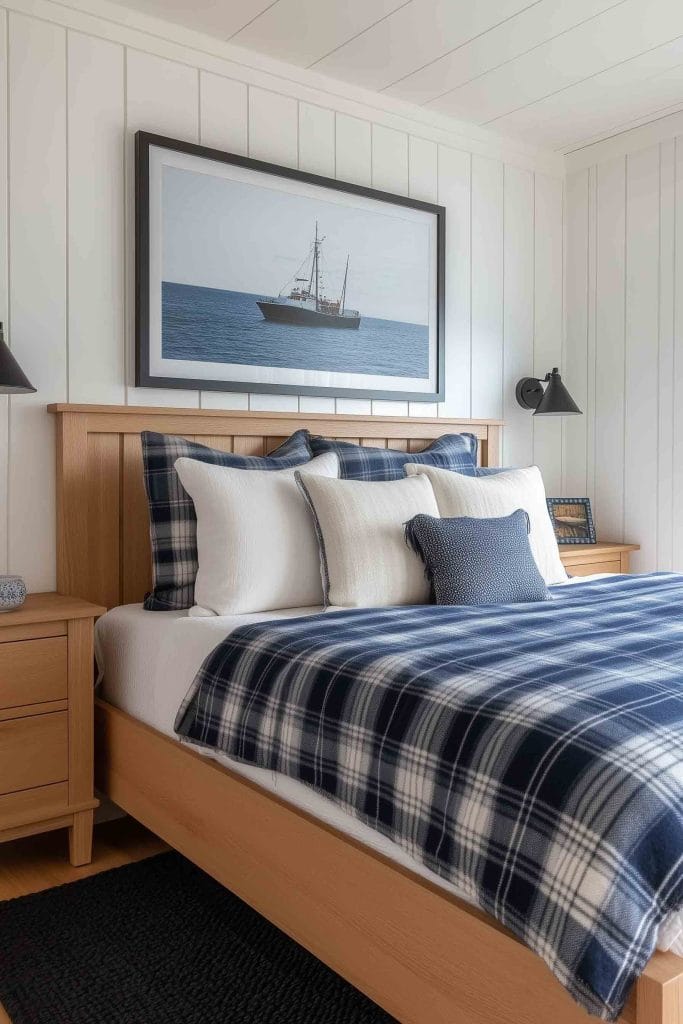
point(255, 537)
point(365, 560)
point(501, 494)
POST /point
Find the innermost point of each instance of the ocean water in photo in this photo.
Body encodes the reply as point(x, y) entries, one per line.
point(217, 326)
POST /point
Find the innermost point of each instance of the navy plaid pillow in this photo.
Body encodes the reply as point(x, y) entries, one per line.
point(172, 519)
point(457, 452)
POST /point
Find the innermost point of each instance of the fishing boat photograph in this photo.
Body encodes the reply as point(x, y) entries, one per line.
point(306, 306)
point(252, 277)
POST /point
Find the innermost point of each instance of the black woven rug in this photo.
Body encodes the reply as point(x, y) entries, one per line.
point(159, 942)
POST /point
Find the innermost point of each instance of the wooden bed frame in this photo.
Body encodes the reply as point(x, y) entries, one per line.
point(424, 956)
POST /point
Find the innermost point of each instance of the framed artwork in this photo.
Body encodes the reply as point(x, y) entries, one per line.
point(254, 277)
point(572, 520)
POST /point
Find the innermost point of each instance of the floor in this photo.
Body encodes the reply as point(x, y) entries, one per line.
point(39, 862)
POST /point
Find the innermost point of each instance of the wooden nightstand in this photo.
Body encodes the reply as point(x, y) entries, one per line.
point(46, 720)
point(586, 559)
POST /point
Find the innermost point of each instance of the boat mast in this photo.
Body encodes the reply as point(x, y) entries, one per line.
point(343, 294)
point(315, 259)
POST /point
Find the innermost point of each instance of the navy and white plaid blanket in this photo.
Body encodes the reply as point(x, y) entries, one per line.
point(531, 754)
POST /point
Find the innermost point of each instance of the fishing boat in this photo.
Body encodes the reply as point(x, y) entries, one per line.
point(306, 305)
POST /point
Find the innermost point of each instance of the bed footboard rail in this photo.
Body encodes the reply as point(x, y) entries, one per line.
point(424, 956)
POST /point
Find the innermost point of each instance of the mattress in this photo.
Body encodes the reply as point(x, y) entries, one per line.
point(147, 661)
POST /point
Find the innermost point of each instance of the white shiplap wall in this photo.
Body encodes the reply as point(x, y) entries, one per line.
point(79, 87)
point(624, 343)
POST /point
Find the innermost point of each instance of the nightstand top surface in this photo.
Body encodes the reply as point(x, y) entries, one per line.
point(600, 548)
point(48, 608)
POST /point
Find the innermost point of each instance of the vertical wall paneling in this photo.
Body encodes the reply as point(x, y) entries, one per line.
point(162, 97)
point(223, 124)
point(608, 369)
point(4, 298)
point(389, 174)
point(591, 332)
point(95, 117)
point(423, 184)
point(423, 170)
point(487, 287)
point(37, 231)
point(389, 160)
point(677, 439)
point(314, 403)
point(518, 321)
point(641, 377)
point(353, 162)
point(353, 150)
point(455, 179)
point(223, 116)
point(273, 127)
point(273, 136)
point(317, 155)
point(274, 403)
point(79, 89)
point(548, 325)
point(316, 140)
point(624, 223)
point(575, 363)
point(665, 426)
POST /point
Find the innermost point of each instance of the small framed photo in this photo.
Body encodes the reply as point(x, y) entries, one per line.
point(572, 520)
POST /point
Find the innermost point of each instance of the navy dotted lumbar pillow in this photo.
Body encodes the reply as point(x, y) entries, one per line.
point(478, 561)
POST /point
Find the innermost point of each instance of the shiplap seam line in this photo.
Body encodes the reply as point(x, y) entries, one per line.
point(674, 360)
point(563, 327)
point(659, 344)
point(67, 325)
point(502, 313)
point(199, 140)
point(624, 416)
point(580, 81)
point(355, 36)
point(252, 20)
point(126, 275)
point(470, 360)
point(8, 333)
point(467, 42)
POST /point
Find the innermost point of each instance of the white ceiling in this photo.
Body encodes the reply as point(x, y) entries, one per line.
point(557, 73)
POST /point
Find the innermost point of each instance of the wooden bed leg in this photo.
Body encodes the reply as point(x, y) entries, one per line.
point(659, 992)
point(80, 838)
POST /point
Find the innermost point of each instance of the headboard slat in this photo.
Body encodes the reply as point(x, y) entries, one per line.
point(103, 549)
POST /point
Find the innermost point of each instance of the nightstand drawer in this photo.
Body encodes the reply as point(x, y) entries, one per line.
point(33, 751)
point(32, 671)
point(590, 568)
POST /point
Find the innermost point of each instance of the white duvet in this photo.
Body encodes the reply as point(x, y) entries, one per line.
point(147, 661)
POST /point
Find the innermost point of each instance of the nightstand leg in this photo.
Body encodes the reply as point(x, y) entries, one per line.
point(80, 838)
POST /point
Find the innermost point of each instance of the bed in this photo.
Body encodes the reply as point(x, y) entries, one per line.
point(418, 950)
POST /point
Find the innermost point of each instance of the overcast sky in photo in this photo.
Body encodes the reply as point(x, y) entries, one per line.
point(227, 234)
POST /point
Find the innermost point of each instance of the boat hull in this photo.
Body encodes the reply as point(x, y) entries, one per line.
point(282, 313)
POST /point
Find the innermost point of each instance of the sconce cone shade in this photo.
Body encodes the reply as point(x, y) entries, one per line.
point(556, 400)
point(13, 380)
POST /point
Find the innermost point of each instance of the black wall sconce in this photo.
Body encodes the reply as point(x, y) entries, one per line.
point(555, 400)
point(13, 380)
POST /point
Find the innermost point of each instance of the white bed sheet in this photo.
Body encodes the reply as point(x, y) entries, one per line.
point(147, 661)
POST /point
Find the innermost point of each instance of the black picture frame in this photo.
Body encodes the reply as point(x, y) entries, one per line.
point(582, 532)
point(144, 378)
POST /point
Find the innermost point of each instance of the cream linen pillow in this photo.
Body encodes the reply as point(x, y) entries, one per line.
point(365, 561)
point(255, 537)
point(487, 497)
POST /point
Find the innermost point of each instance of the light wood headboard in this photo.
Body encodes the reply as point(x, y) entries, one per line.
point(103, 551)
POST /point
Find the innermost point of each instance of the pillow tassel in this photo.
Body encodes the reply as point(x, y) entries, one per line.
point(413, 543)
